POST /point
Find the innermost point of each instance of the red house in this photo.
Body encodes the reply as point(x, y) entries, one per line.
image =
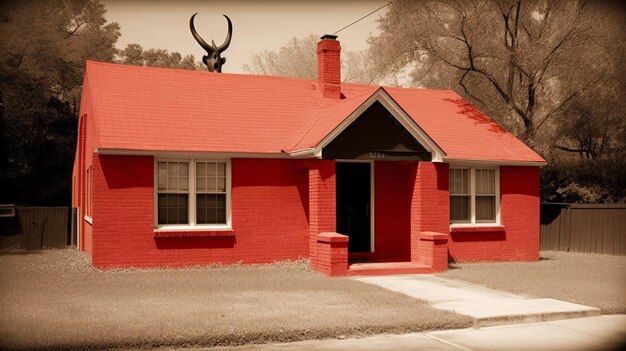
point(179, 168)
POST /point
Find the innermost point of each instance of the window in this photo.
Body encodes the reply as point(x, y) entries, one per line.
point(485, 195)
point(192, 193)
point(459, 195)
point(210, 192)
point(473, 195)
point(88, 195)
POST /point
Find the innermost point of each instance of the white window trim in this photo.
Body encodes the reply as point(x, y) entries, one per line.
point(192, 197)
point(472, 176)
point(88, 195)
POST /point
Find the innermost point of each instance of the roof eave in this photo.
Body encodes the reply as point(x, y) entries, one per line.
point(191, 154)
point(305, 153)
point(460, 162)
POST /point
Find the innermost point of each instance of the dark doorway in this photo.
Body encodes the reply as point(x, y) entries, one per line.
point(353, 204)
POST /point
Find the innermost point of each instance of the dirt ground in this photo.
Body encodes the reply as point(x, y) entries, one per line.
point(588, 279)
point(55, 299)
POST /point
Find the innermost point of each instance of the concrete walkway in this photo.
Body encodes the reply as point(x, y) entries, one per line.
point(590, 333)
point(487, 306)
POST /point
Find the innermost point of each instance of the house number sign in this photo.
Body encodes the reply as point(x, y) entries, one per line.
point(376, 155)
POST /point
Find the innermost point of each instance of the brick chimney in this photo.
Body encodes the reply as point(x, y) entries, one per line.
point(329, 67)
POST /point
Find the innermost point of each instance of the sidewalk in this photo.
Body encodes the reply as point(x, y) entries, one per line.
point(590, 333)
point(487, 306)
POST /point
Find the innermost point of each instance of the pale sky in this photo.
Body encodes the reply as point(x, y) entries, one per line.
point(257, 25)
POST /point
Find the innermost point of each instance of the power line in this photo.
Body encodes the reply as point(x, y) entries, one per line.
point(369, 14)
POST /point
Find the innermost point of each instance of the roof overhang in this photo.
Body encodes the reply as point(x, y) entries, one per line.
point(396, 111)
point(469, 162)
point(190, 154)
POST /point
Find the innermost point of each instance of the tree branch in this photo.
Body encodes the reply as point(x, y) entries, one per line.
point(462, 84)
point(568, 149)
point(567, 100)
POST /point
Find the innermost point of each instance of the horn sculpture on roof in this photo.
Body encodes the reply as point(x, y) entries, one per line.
point(213, 59)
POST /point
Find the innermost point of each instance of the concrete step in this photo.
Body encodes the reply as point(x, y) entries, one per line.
point(387, 268)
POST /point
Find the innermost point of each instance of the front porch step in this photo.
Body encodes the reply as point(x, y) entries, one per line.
point(387, 268)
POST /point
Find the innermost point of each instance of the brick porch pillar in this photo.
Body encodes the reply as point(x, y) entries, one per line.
point(322, 203)
point(430, 210)
point(332, 254)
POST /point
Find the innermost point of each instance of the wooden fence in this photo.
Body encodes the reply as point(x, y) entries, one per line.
point(35, 228)
point(584, 228)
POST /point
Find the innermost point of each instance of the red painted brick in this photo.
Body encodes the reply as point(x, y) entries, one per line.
point(329, 68)
point(269, 216)
point(392, 211)
point(519, 211)
point(430, 203)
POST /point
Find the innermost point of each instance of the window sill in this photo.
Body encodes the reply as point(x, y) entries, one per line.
point(186, 233)
point(88, 220)
point(477, 228)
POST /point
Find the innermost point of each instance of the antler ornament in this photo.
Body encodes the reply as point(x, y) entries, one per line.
point(213, 59)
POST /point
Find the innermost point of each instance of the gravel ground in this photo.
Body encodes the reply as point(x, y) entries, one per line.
point(54, 299)
point(588, 279)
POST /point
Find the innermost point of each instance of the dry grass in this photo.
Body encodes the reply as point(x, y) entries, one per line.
point(588, 279)
point(54, 299)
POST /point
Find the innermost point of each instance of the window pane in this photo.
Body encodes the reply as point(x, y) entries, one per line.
point(211, 169)
point(210, 184)
point(173, 208)
point(485, 208)
point(172, 183)
point(173, 176)
point(459, 209)
point(201, 169)
point(162, 175)
point(172, 215)
point(162, 215)
point(215, 179)
point(459, 181)
point(221, 184)
point(183, 183)
point(162, 201)
point(201, 184)
point(183, 169)
point(172, 169)
point(221, 169)
point(485, 181)
point(162, 183)
point(211, 208)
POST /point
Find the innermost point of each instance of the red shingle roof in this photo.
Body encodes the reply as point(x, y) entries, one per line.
point(158, 109)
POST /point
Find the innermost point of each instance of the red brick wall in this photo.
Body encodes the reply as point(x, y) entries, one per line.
point(85, 150)
point(322, 202)
point(430, 204)
point(519, 214)
point(269, 216)
point(392, 197)
point(430, 201)
point(329, 68)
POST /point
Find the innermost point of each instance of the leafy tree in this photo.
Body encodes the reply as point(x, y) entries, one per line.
point(523, 62)
point(45, 45)
point(134, 54)
point(298, 58)
point(585, 181)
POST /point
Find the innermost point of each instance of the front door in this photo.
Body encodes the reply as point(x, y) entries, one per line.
point(353, 204)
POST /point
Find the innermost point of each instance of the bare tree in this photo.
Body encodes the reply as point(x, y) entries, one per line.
point(523, 62)
point(298, 58)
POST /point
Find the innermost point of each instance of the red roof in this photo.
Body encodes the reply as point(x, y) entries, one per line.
point(159, 109)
